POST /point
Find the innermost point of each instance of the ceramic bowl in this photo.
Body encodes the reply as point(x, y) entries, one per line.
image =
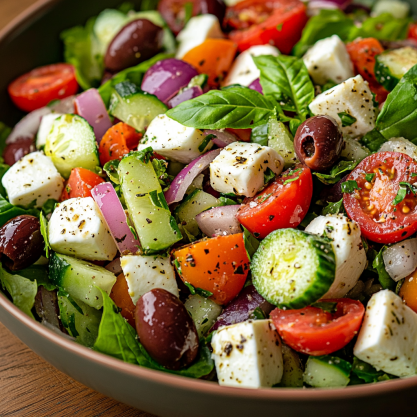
point(32, 40)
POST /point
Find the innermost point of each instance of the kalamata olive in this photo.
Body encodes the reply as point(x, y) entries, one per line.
point(138, 41)
point(165, 329)
point(17, 150)
point(21, 242)
point(318, 143)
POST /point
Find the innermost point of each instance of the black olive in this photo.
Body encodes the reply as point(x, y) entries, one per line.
point(21, 242)
point(17, 150)
point(318, 143)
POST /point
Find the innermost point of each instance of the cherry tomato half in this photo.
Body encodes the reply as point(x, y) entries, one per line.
point(412, 31)
point(283, 204)
point(40, 86)
point(316, 332)
point(373, 206)
point(259, 22)
point(80, 184)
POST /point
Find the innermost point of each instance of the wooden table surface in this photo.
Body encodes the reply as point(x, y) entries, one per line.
point(28, 385)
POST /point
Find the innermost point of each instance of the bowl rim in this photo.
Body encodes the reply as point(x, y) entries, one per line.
point(177, 381)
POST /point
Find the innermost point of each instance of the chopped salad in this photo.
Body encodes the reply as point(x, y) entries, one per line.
point(225, 191)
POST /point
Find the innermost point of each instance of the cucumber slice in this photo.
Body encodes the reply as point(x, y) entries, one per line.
point(134, 107)
point(292, 268)
point(391, 66)
point(197, 202)
point(108, 23)
point(292, 376)
point(148, 209)
point(71, 144)
point(203, 311)
point(327, 372)
point(280, 139)
point(354, 151)
point(80, 279)
point(80, 320)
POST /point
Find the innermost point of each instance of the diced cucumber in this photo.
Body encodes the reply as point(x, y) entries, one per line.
point(292, 376)
point(71, 144)
point(398, 9)
point(107, 25)
point(292, 268)
point(391, 66)
point(280, 139)
point(80, 279)
point(134, 107)
point(148, 209)
point(354, 151)
point(196, 202)
point(203, 311)
point(80, 320)
point(327, 371)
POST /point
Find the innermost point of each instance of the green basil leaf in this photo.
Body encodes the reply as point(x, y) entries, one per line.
point(251, 243)
point(373, 140)
point(347, 119)
point(269, 175)
point(337, 172)
point(349, 186)
point(111, 169)
point(160, 166)
point(333, 208)
point(287, 80)
point(401, 193)
point(384, 279)
point(370, 177)
point(234, 107)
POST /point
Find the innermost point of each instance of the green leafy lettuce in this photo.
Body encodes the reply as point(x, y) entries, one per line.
point(8, 211)
point(337, 172)
point(384, 279)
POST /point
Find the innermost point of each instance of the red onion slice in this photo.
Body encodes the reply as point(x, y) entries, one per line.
point(222, 139)
point(219, 221)
point(187, 94)
point(109, 204)
point(165, 78)
point(90, 105)
point(186, 176)
point(256, 85)
point(115, 267)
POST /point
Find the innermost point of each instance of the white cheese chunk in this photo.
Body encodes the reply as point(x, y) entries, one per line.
point(240, 168)
point(400, 145)
point(244, 71)
point(45, 127)
point(353, 97)
point(398, 9)
point(144, 273)
point(248, 354)
point(348, 249)
point(34, 177)
point(78, 228)
point(173, 140)
point(388, 336)
point(328, 60)
point(197, 30)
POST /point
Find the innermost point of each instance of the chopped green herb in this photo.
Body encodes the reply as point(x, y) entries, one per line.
point(205, 142)
point(177, 266)
point(410, 186)
point(279, 27)
point(346, 118)
point(369, 177)
point(188, 9)
point(330, 307)
point(402, 192)
point(263, 197)
point(333, 208)
point(349, 186)
point(199, 291)
point(291, 180)
point(44, 233)
point(414, 174)
point(268, 175)
point(257, 314)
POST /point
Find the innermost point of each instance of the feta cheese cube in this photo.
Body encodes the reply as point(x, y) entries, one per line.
point(34, 177)
point(197, 30)
point(144, 273)
point(348, 249)
point(173, 140)
point(248, 354)
point(240, 168)
point(77, 228)
point(328, 60)
point(244, 71)
point(388, 336)
point(45, 127)
point(353, 97)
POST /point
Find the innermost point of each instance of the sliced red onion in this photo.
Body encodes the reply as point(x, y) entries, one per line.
point(186, 176)
point(219, 221)
point(108, 202)
point(29, 125)
point(401, 259)
point(115, 267)
point(187, 94)
point(165, 78)
point(242, 308)
point(256, 85)
point(222, 138)
point(90, 105)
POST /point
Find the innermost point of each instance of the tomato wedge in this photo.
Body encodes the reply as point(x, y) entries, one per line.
point(316, 332)
point(219, 265)
point(118, 141)
point(40, 86)
point(259, 22)
point(381, 216)
point(80, 184)
point(120, 295)
point(283, 204)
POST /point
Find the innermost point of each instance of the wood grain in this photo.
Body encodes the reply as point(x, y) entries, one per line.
point(28, 385)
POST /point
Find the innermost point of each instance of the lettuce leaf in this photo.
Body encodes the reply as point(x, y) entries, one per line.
point(8, 211)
